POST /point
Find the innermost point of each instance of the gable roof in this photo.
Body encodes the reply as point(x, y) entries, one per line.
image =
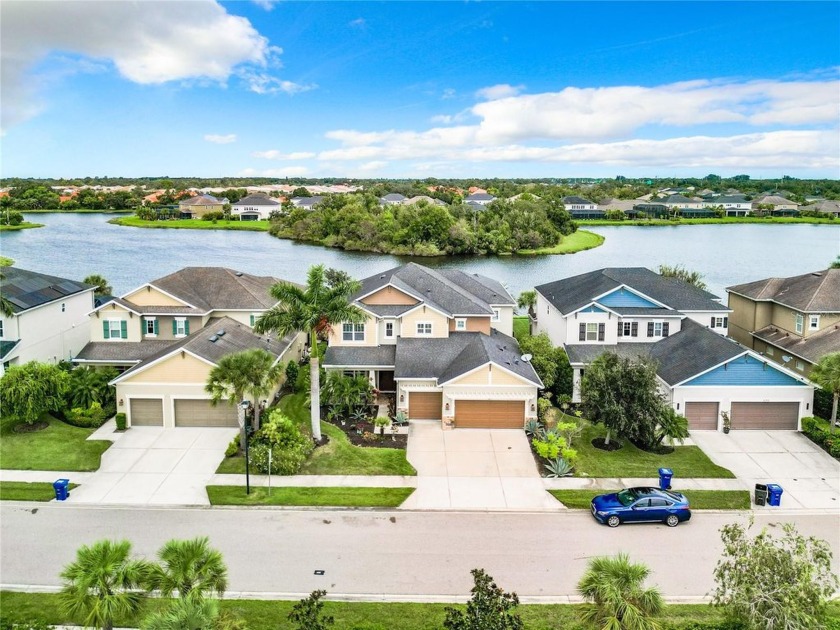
point(27, 289)
point(816, 292)
point(393, 197)
point(202, 200)
point(257, 200)
point(208, 345)
point(450, 291)
point(577, 200)
point(218, 288)
point(570, 294)
point(480, 196)
point(811, 348)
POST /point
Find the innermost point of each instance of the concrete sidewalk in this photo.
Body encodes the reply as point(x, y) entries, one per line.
point(317, 481)
point(611, 483)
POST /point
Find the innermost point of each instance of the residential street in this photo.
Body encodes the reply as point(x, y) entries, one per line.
point(383, 555)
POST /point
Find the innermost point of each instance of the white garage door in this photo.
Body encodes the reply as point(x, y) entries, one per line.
point(765, 415)
point(146, 412)
point(200, 413)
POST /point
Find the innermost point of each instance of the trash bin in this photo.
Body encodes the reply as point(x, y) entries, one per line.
point(61, 491)
point(775, 492)
point(665, 475)
point(760, 494)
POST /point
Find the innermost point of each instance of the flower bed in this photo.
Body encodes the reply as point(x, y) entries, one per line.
point(366, 434)
point(819, 432)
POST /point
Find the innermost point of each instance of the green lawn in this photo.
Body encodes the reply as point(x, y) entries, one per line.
point(629, 461)
point(576, 242)
point(272, 615)
point(698, 499)
point(339, 457)
point(331, 497)
point(193, 224)
point(723, 220)
point(521, 326)
point(58, 447)
point(21, 226)
point(24, 491)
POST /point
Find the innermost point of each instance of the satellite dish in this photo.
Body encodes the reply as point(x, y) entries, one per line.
point(786, 358)
point(526, 357)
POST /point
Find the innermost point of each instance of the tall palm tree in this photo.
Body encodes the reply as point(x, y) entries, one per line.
point(104, 583)
point(101, 284)
point(254, 372)
point(826, 374)
point(316, 308)
point(614, 586)
point(6, 307)
point(190, 567)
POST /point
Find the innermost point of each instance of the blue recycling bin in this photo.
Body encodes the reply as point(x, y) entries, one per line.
point(665, 475)
point(61, 489)
point(774, 492)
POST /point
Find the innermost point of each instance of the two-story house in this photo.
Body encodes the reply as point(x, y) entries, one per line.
point(49, 322)
point(167, 335)
point(793, 321)
point(254, 207)
point(635, 312)
point(196, 207)
point(442, 342)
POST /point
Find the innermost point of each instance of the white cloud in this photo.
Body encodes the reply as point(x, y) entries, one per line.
point(266, 5)
point(274, 154)
point(146, 42)
point(263, 83)
point(288, 171)
point(502, 90)
point(357, 23)
point(448, 93)
point(219, 139)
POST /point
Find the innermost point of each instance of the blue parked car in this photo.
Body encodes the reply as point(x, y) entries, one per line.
point(641, 505)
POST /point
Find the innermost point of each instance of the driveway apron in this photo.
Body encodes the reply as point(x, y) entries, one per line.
point(474, 469)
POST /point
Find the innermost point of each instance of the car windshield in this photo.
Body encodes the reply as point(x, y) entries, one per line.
point(626, 497)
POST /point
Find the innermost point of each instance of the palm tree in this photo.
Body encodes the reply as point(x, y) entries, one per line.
point(527, 300)
point(254, 372)
point(826, 374)
point(190, 567)
point(184, 614)
point(6, 307)
point(104, 584)
point(315, 308)
point(614, 586)
point(101, 284)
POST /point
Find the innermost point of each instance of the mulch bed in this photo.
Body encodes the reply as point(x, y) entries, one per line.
point(600, 444)
point(356, 433)
point(31, 428)
point(662, 449)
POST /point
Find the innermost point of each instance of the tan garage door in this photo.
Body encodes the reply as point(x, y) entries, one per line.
point(200, 413)
point(146, 412)
point(765, 415)
point(702, 416)
point(489, 414)
point(425, 405)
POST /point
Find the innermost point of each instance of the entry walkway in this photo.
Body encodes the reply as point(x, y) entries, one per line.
point(474, 469)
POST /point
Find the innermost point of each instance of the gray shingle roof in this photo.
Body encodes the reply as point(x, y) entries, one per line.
point(394, 197)
point(27, 289)
point(202, 200)
point(213, 288)
point(122, 351)
point(256, 200)
point(817, 292)
point(349, 356)
point(237, 337)
point(640, 311)
point(480, 197)
point(576, 200)
point(154, 310)
point(387, 310)
point(570, 294)
point(812, 348)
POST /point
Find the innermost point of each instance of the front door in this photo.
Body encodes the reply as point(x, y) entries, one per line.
point(386, 381)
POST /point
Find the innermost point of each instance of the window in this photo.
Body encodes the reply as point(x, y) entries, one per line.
point(814, 322)
point(353, 332)
point(424, 328)
point(389, 329)
point(627, 329)
point(800, 322)
point(460, 324)
point(150, 326)
point(770, 351)
point(720, 322)
point(656, 502)
point(180, 327)
point(497, 315)
point(115, 329)
point(800, 365)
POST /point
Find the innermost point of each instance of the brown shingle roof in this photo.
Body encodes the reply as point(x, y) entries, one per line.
point(817, 292)
point(219, 288)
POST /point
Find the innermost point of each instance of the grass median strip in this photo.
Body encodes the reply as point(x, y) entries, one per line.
point(298, 496)
point(28, 491)
point(697, 499)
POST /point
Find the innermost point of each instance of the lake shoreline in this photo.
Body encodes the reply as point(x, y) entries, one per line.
point(26, 225)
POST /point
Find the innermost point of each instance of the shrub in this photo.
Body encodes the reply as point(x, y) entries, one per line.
point(92, 417)
point(213, 216)
point(292, 370)
point(543, 407)
point(558, 468)
point(232, 448)
point(302, 380)
point(120, 421)
point(284, 461)
point(281, 435)
point(11, 218)
point(549, 444)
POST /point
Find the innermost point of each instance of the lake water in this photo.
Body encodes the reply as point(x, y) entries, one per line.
point(76, 245)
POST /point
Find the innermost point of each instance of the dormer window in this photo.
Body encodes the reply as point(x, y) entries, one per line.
point(389, 330)
point(424, 329)
point(460, 323)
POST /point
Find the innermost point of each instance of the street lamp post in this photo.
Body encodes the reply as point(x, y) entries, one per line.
point(245, 405)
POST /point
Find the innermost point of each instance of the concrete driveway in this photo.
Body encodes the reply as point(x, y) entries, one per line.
point(155, 466)
point(809, 476)
point(474, 469)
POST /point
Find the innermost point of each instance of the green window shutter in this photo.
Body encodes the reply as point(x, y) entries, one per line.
point(156, 327)
point(124, 329)
point(186, 327)
point(106, 330)
point(174, 327)
point(252, 320)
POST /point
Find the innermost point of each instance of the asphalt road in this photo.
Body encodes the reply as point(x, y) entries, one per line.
point(404, 556)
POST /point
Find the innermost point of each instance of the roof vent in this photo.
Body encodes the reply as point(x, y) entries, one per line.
point(220, 333)
point(382, 277)
point(238, 274)
point(214, 339)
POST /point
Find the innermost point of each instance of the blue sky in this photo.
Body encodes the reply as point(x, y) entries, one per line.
point(404, 89)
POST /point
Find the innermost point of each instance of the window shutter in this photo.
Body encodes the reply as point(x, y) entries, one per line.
point(106, 330)
point(186, 327)
point(174, 327)
point(156, 326)
point(582, 332)
point(634, 329)
point(713, 321)
point(124, 329)
point(726, 322)
point(666, 328)
point(620, 329)
point(601, 328)
point(650, 329)
point(252, 320)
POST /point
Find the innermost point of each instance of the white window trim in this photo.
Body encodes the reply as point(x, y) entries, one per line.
point(420, 329)
point(146, 321)
point(800, 365)
point(595, 332)
point(813, 319)
point(460, 323)
point(655, 325)
point(719, 322)
point(353, 332)
point(111, 334)
point(387, 336)
point(627, 329)
point(799, 323)
point(180, 324)
point(769, 351)
point(497, 314)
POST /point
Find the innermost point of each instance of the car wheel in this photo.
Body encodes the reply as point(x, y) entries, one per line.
point(613, 521)
point(672, 520)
